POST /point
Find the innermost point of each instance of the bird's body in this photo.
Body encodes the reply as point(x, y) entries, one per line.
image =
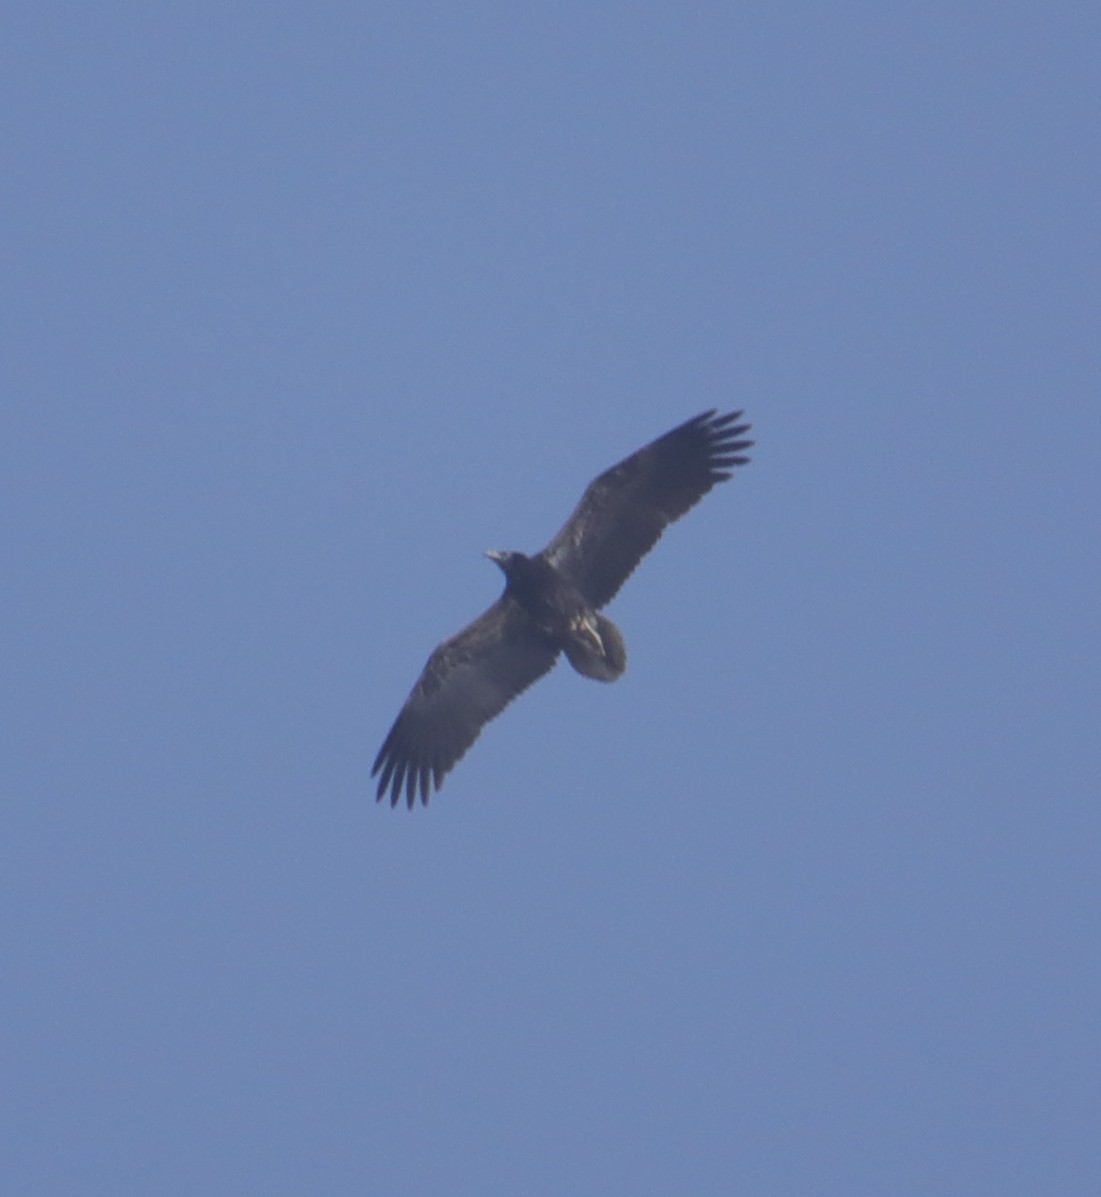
point(551, 603)
point(560, 612)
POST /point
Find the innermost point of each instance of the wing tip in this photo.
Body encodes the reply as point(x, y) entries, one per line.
point(401, 778)
point(727, 443)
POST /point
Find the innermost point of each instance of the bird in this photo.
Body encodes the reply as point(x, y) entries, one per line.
point(552, 603)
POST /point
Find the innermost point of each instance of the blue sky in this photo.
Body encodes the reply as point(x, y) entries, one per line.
point(304, 308)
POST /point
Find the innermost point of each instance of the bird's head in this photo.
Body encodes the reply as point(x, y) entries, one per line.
point(525, 577)
point(506, 559)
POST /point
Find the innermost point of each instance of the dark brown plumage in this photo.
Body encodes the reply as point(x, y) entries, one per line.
point(551, 603)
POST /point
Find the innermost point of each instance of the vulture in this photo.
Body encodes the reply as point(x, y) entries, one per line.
point(551, 603)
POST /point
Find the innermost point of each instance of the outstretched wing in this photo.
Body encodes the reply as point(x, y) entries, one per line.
point(468, 680)
point(625, 510)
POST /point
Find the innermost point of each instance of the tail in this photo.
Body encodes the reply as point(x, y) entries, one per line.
point(598, 650)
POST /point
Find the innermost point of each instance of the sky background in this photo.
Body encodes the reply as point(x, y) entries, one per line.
point(304, 307)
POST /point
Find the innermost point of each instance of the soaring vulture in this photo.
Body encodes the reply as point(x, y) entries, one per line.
point(551, 603)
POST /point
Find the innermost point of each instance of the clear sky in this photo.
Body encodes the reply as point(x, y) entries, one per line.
point(304, 307)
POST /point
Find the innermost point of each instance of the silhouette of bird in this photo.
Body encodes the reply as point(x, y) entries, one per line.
point(551, 603)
